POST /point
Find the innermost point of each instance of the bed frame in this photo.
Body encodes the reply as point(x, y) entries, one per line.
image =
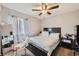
point(38, 52)
point(54, 30)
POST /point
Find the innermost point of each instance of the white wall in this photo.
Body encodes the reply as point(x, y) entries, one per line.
point(33, 23)
point(66, 21)
point(0, 29)
point(5, 30)
point(34, 26)
point(0, 13)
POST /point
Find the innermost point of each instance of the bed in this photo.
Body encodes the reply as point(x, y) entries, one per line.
point(45, 42)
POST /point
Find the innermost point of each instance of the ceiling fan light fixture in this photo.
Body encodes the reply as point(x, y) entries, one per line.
point(44, 11)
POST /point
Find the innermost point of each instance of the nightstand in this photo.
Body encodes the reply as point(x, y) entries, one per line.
point(66, 43)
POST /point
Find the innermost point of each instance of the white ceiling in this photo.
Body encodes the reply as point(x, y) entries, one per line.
point(26, 8)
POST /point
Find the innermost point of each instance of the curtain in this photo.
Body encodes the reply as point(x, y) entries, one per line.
point(19, 27)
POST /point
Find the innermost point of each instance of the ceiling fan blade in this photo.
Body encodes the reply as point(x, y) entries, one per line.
point(54, 7)
point(49, 13)
point(40, 14)
point(36, 10)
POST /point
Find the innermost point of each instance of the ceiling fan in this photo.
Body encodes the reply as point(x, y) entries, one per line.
point(45, 9)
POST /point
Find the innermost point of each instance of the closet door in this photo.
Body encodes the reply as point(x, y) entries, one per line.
point(78, 34)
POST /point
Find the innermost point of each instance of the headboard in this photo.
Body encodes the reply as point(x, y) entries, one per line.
point(54, 30)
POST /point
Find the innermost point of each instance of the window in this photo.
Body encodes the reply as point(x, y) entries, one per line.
point(18, 26)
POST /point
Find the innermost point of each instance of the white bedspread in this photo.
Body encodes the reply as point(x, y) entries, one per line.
point(43, 42)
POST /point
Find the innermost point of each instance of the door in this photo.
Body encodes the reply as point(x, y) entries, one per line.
point(78, 34)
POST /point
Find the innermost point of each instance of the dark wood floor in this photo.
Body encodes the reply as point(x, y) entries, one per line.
point(59, 52)
point(66, 52)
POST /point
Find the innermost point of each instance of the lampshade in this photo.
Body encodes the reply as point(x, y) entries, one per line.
point(49, 29)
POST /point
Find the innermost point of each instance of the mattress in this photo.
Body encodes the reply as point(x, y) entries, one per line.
point(45, 43)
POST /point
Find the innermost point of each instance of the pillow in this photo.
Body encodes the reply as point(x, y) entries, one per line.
point(54, 35)
point(44, 33)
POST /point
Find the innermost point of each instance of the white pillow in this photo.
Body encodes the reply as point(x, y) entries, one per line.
point(54, 36)
point(44, 33)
